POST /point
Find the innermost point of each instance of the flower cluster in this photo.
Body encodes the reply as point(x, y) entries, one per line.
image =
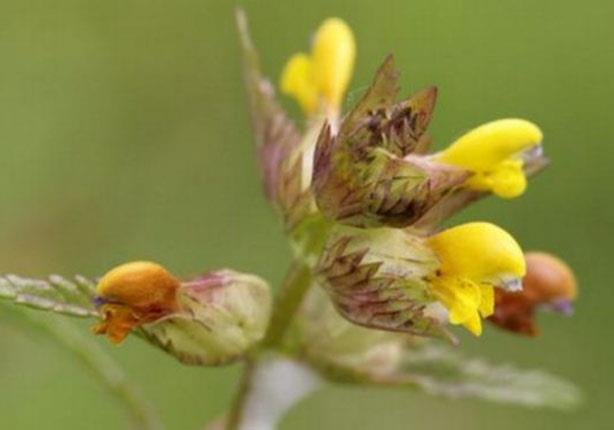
point(362, 200)
point(380, 196)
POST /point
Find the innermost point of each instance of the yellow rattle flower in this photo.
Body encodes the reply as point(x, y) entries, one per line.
point(493, 152)
point(474, 258)
point(318, 80)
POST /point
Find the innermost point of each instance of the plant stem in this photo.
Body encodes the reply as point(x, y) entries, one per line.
point(290, 297)
point(236, 412)
point(270, 386)
point(102, 366)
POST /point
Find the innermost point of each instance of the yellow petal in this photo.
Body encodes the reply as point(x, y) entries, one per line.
point(479, 251)
point(297, 81)
point(118, 322)
point(132, 294)
point(489, 144)
point(333, 54)
point(140, 284)
point(506, 180)
point(464, 300)
point(487, 302)
point(474, 324)
point(492, 152)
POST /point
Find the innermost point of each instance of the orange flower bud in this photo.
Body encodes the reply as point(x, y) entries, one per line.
point(548, 278)
point(133, 294)
point(549, 282)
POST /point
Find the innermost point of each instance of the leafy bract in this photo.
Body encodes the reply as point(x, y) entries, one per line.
point(72, 297)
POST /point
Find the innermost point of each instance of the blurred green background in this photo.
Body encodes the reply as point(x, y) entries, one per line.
point(124, 135)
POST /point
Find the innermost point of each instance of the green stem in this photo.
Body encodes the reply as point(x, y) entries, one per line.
point(235, 415)
point(290, 297)
point(102, 366)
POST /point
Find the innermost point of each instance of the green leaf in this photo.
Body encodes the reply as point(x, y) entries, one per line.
point(56, 294)
point(380, 95)
point(439, 370)
point(378, 121)
point(365, 175)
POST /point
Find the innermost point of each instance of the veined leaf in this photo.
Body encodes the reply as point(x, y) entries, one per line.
point(439, 370)
point(56, 294)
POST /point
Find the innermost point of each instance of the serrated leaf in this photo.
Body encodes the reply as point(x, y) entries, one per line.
point(55, 294)
point(365, 175)
point(376, 279)
point(378, 122)
point(379, 96)
point(441, 371)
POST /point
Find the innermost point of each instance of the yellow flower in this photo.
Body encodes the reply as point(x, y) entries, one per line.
point(132, 294)
point(493, 153)
point(474, 258)
point(319, 80)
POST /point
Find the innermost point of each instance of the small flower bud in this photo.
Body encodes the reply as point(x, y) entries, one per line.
point(221, 316)
point(379, 189)
point(549, 283)
point(548, 278)
point(365, 174)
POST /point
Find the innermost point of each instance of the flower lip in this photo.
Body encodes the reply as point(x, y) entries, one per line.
point(508, 282)
point(532, 152)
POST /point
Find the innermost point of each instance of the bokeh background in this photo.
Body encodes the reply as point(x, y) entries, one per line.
point(124, 135)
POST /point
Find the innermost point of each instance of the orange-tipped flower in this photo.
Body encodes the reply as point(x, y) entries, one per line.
point(212, 319)
point(549, 283)
point(132, 294)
